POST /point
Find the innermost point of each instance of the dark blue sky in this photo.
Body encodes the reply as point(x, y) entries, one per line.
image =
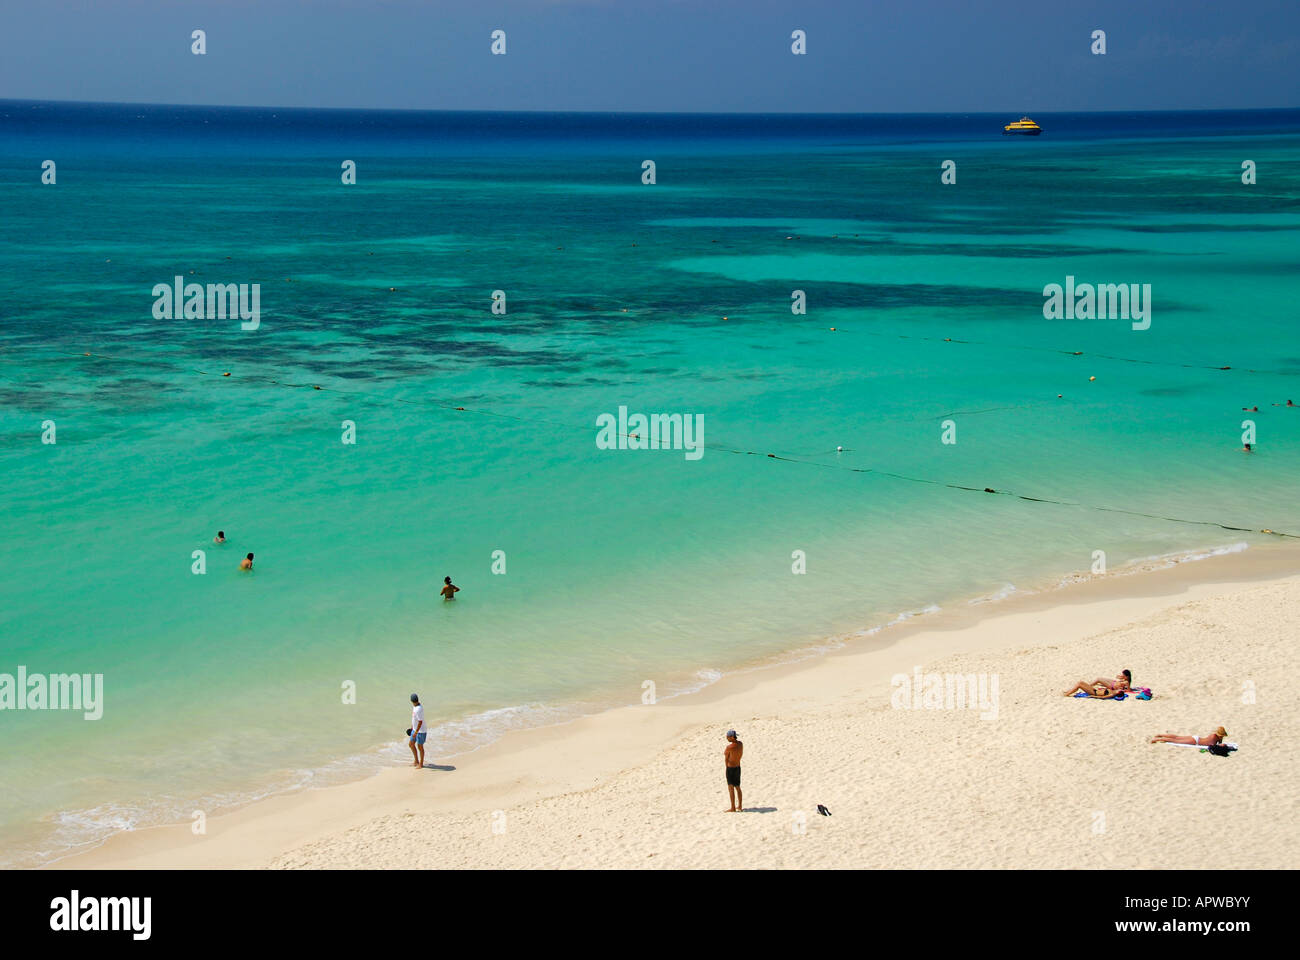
point(659, 55)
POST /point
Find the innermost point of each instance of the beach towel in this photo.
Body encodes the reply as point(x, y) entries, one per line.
point(1117, 697)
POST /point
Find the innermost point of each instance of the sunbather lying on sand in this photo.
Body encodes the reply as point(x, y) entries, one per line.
point(1104, 687)
point(1208, 740)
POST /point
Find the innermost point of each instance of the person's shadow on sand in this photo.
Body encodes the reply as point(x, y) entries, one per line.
point(438, 766)
point(759, 810)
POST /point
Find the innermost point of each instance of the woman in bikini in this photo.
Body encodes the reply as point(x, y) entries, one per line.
point(1208, 740)
point(1104, 688)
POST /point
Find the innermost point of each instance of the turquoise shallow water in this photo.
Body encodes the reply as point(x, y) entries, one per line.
point(621, 566)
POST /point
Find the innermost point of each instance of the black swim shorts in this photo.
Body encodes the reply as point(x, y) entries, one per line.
point(733, 776)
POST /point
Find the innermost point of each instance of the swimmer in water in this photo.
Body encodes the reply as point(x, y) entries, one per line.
point(1246, 449)
point(246, 563)
point(220, 537)
point(449, 589)
point(1251, 409)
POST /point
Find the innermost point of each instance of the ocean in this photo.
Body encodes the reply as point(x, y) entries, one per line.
point(846, 448)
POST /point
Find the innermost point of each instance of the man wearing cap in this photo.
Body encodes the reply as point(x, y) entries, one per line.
point(731, 757)
point(417, 731)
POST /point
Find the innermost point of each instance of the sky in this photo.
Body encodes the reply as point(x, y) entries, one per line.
point(868, 56)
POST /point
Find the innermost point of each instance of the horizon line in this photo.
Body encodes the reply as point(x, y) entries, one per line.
point(647, 113)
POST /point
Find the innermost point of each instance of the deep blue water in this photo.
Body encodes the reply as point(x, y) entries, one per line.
point(186, 130)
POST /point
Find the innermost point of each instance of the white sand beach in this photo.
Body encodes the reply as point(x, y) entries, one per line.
point(1046, 782)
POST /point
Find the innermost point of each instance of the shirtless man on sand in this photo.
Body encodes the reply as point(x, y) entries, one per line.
point(731, 757)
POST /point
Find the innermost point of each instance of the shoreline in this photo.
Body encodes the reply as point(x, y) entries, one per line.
point(363, 764)
point(546, 763)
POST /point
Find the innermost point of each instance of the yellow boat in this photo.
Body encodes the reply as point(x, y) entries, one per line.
point(1024, 126)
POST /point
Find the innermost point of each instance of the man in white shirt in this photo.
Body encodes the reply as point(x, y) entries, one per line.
point(418, 731)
